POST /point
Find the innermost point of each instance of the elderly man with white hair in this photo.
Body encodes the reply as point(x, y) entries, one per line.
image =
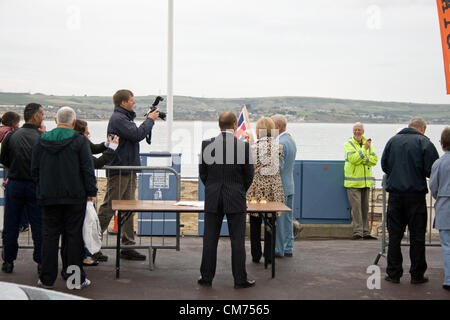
point(284, 240)
point(360, 157)
point(63, 169)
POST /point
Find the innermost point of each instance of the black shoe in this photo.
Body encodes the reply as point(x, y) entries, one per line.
point(7, 267)
point(419, 280)
point(369, 237)
point(289, 255)
point(204, 283)
point(446, 287)
point(99, 257)
point(130, 254)
point(93, 262)
point(255, 260)
point(65, 275)
point(356, 237)
point(246, 284)
point(393, 280)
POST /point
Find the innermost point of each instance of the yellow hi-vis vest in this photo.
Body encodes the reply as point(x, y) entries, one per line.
point(358, 164)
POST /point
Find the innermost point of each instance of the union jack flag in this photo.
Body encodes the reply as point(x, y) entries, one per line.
point(243, 130)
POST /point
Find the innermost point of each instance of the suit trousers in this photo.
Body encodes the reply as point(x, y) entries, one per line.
point(236, 228)
point(405, 211)
point(284, 241)
point(119, 187)
point(444, 236)
point(66, 220)
point(359, 201)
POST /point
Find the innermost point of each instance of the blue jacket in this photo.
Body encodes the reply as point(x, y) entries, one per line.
point(440, 189)
point(121, 124)
point(287, 163)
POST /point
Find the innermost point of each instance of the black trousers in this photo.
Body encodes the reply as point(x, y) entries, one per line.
point(66, 221)
point(236, 228)
point(402, 211)
point(255, 239)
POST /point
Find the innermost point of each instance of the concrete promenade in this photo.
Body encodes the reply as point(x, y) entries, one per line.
point(320, 269)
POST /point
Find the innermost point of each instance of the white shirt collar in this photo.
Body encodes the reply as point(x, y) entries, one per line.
point(226, 131)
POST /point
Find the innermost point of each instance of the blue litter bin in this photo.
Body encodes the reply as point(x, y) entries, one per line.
point(320, 195)
point(201, 216)
point(158, 185)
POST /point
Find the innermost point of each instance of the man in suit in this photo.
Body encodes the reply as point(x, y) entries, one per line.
point(226, 170)
point(284, 243)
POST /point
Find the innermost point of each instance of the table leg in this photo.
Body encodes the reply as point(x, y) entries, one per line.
point(274, 234)
point(119, 228)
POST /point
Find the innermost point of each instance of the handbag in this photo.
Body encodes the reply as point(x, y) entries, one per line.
point(91, 229)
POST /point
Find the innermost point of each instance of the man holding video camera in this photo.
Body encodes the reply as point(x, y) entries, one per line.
point(123, 185)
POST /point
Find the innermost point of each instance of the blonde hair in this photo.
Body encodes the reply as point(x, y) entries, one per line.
point(264, 127)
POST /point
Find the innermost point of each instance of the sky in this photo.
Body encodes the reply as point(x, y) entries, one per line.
point(353, 49)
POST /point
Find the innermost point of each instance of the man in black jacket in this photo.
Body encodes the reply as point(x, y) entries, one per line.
point(20, 194)
point(407, 160)
point(123, 185)
point(226, 170)
point(63, 168)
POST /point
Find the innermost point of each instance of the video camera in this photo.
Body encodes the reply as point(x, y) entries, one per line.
point(162, 115)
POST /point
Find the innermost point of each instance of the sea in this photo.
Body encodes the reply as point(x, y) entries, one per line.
point(315, 141)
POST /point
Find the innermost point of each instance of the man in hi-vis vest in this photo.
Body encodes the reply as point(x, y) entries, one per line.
point(360, 157)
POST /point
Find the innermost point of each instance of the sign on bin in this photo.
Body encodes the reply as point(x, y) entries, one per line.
point(158, 185)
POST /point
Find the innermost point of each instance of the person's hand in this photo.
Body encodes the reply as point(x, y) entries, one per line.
point(42, 128)
point(91, 199)
point(113, 139)
point(251, 139)
point(154, 115)
point(368, 143)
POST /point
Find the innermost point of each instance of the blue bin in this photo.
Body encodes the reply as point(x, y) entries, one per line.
point(320, 195)
point(158, 185)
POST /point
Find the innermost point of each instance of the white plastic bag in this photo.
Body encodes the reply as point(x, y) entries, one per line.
point(91, 229)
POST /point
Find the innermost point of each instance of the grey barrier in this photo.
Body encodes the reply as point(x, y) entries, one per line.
point(151, 243)
point(385, 242)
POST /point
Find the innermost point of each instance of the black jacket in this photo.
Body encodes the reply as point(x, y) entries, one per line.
point(407, 160)
point(63, 170)
point(16, 151)
point(224, 179)
point(121, 124)
point(105, 158)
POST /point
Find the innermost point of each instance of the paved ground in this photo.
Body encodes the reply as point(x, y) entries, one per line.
point(320, 269)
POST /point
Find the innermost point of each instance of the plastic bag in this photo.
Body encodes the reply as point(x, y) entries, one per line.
point(91, 229)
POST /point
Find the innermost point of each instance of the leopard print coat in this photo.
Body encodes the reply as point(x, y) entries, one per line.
point(267, 179)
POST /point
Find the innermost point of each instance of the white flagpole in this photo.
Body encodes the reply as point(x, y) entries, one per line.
point(170, 74)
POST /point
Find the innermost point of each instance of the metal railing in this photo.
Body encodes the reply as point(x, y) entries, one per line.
point(151, 243)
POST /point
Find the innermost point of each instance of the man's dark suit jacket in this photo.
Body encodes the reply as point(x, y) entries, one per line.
point(227, 173)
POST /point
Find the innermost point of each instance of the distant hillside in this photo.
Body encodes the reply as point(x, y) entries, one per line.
point(307, 109)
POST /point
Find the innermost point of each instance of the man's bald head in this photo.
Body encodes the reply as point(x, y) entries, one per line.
point(227, 120)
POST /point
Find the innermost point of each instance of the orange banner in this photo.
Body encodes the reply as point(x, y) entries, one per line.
point(444, 22)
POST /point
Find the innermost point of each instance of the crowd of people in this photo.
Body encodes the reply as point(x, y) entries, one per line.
point(49, 178)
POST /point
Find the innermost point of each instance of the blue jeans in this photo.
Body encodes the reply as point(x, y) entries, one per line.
point(445, 243)
point(284, 242)
point(20, 200)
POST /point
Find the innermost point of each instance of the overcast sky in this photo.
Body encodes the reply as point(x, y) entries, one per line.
point(353, 49)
